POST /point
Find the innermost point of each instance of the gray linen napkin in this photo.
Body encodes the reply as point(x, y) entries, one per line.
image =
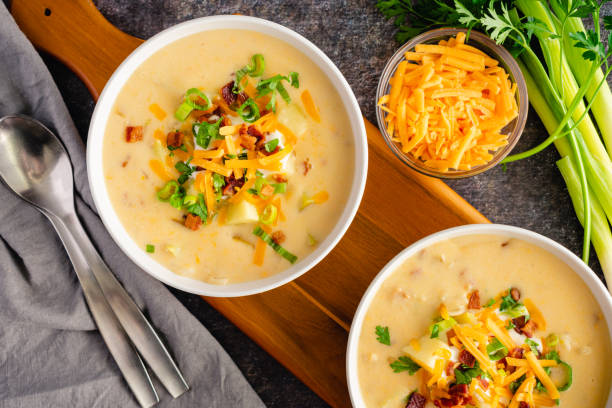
point(50, 352)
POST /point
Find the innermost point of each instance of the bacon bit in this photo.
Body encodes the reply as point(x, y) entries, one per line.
point(529, 328)
point(228, 94)
point(230, 185)
point(504, 244)
point(449, 335)
point(516, 352)
point(193, 222)
point(460, 390)
point(519, 322)
point(278, 237)
point(125, 163)
point(279, 178)
point(474, 302)
point(133, 134)
point(484, 383)
point(466, 358)
point(523, 404)
point(267, 190)
point(515, 294)
point(174, 139)
point(225, 121)
point(416, 401)
point(307, 166)
point(450, 367)
point(253, 131)
point(242, 97)
point(248, 142)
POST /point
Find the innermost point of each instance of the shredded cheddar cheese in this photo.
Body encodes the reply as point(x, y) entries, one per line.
point(448, 104)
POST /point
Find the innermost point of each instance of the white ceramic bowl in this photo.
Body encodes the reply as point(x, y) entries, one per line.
point(599, 291)
point(107, 100)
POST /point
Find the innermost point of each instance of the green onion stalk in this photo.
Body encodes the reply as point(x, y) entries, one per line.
point(601, 235)
point(600, 97)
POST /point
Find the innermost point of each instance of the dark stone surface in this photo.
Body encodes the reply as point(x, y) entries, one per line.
point(531, 194)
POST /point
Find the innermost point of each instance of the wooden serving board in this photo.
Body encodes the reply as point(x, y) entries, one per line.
point(303, 324)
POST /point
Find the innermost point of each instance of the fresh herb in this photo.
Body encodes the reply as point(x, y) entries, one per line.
point(264, 236)
point(533, 345)
point(405, 363)
point(254, 69)
point(205, 132)
point(181, 147)
point(489, 303)
point(185, 169)
point(273, 85)
point(552, 340)
point(507, 302)
point(465, 374)
point(516, 384)
point(199, 208)
point(496, 350)
point(218, 182)
point(150, 248)
point(249, 111)
point(434, 331)
point(510, 325)
point(271, 145)
point(382, 335)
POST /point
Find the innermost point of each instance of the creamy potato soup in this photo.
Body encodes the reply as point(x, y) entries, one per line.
point(484, 321)
point(228, 156)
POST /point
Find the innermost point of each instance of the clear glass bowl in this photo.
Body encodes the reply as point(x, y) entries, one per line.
point(488, 46)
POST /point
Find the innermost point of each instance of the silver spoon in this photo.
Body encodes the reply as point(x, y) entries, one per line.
point(35, 165)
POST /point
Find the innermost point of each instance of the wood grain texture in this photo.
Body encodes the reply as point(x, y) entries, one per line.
point(303, 324)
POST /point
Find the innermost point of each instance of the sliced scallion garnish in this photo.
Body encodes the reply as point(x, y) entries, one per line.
point(269, 214)
point(278, 248)
point(248, 111)
point(189, 104)
point(150, 248)
point(271, 145)
point(168, 190)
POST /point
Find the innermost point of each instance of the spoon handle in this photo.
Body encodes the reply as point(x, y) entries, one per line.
point(114, 336)
point(138, 328)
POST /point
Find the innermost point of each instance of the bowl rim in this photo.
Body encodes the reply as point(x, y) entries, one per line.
point(502, 54)
point(106, 102)
point(591, 280)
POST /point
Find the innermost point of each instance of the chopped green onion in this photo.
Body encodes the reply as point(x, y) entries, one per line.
point(183, 111)
point(190, 199)
point(441, 325)
point(552, 340)
point(269, 214)
point(150, 248)
point(271, 145)
point(188, 104)
point(248, 111)
point(279, 249)
point(489, 303)
point(280, 188)
point(218, 182)
point(553, 355)
point(533, 345)
point(312, 241)
point(199, 208)
point(168, 190)
point(176, 199)
point(496, 350)
point(254, 69)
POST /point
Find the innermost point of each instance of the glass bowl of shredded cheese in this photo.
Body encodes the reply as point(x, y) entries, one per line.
point(451, 104)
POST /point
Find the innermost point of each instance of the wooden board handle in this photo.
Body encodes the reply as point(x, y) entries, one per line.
point(92, 50)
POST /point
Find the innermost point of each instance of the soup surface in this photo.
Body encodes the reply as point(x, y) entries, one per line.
point(449, 273)
point(320, 163)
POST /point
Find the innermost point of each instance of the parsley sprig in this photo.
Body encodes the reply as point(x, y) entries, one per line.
point(382, 335)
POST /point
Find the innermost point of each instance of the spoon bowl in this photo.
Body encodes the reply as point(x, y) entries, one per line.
point(35, 165)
